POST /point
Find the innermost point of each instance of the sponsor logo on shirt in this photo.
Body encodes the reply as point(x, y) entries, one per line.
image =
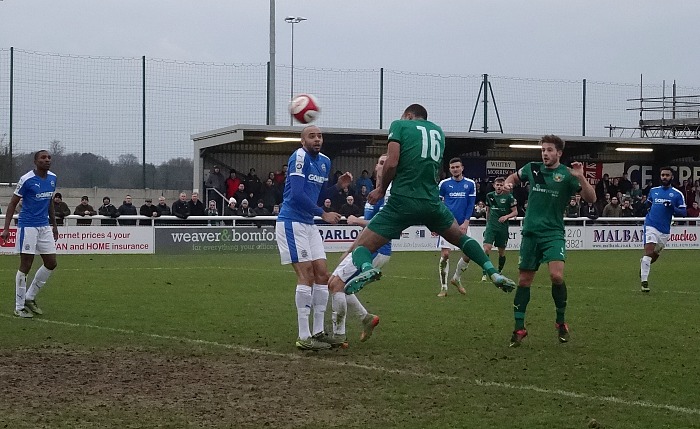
point(316, 178)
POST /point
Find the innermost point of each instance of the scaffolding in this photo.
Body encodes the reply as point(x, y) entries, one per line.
point(668, 117)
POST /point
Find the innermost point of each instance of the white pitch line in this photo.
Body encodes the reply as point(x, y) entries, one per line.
point(437, 377)
point(237, 347)
point(612, 399)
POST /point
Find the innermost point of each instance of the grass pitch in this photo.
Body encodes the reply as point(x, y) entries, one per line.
point(208, 341)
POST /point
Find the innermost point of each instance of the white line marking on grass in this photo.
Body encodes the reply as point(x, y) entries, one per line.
point(239, 348)
point(437, 377)
point(613, 399)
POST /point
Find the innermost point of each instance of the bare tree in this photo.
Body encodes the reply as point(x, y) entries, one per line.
point(56, 148)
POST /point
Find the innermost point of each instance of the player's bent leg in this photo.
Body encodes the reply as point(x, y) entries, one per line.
point(368, 242)
point(487, 250)
point(469, 247)
point(473, 250)
point(369, 322)
point(344, 272)
point(462, 265)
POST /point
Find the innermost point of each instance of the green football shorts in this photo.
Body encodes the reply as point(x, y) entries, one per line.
point(535, 251)
point(400, 212)
point(496, 236)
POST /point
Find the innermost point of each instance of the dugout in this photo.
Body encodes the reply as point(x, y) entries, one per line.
point(266, 148)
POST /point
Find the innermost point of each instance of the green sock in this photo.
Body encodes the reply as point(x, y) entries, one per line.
point(362, 258)
point(473, 250)
point(522, 297)
point(559, 296)
point(501, 263)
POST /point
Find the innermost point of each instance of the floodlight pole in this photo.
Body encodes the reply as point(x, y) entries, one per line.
point(271, 72)
point(293, 20)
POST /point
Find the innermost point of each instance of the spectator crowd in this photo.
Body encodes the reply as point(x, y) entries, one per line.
point(247, 195)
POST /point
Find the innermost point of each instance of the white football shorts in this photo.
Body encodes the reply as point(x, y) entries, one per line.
point(35, 240)
point(346, 270)
point(652, 235)
point(298, 242)
point(444, 244)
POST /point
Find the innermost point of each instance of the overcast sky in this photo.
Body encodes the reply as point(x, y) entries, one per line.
point(608, 41)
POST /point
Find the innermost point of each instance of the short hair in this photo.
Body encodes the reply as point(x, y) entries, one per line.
point(36, 154)
point(456, 159)
point(668, 169)
point(555, 140)
point(57, 195)
point(303, 132)
point(417, 110)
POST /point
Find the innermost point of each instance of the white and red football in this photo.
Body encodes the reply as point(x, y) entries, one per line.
point(304, 108)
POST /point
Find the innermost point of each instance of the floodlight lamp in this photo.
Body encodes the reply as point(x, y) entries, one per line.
point(634, 149)
point(525, 146)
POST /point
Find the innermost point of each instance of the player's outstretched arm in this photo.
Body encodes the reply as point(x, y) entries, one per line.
point(587, 191)
point(511, 182)
point(360, 221)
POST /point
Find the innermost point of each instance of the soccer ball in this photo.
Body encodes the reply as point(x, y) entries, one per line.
point(304, 108)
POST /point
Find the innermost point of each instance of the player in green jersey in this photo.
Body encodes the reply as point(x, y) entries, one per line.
point(501, 206)
point(551, 186)
point(412, 167)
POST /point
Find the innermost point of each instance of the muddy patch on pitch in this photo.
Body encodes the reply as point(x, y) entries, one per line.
point(55, 386)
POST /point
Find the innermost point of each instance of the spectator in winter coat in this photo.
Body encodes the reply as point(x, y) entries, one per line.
point(110, 210)
point(127, 208)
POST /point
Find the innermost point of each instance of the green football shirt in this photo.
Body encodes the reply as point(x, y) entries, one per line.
point(550, 193)
point(422, 148)
point(499, 205)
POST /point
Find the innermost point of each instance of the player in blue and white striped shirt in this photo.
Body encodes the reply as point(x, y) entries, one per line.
point(299, 240)
point(37, 231)
point(663, 203)
point(459, 195)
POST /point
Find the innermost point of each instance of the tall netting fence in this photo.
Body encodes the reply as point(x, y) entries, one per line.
point(185, 98)
point(88, 104)
point(348, 98)
point(5, 157)
point(139, 113)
